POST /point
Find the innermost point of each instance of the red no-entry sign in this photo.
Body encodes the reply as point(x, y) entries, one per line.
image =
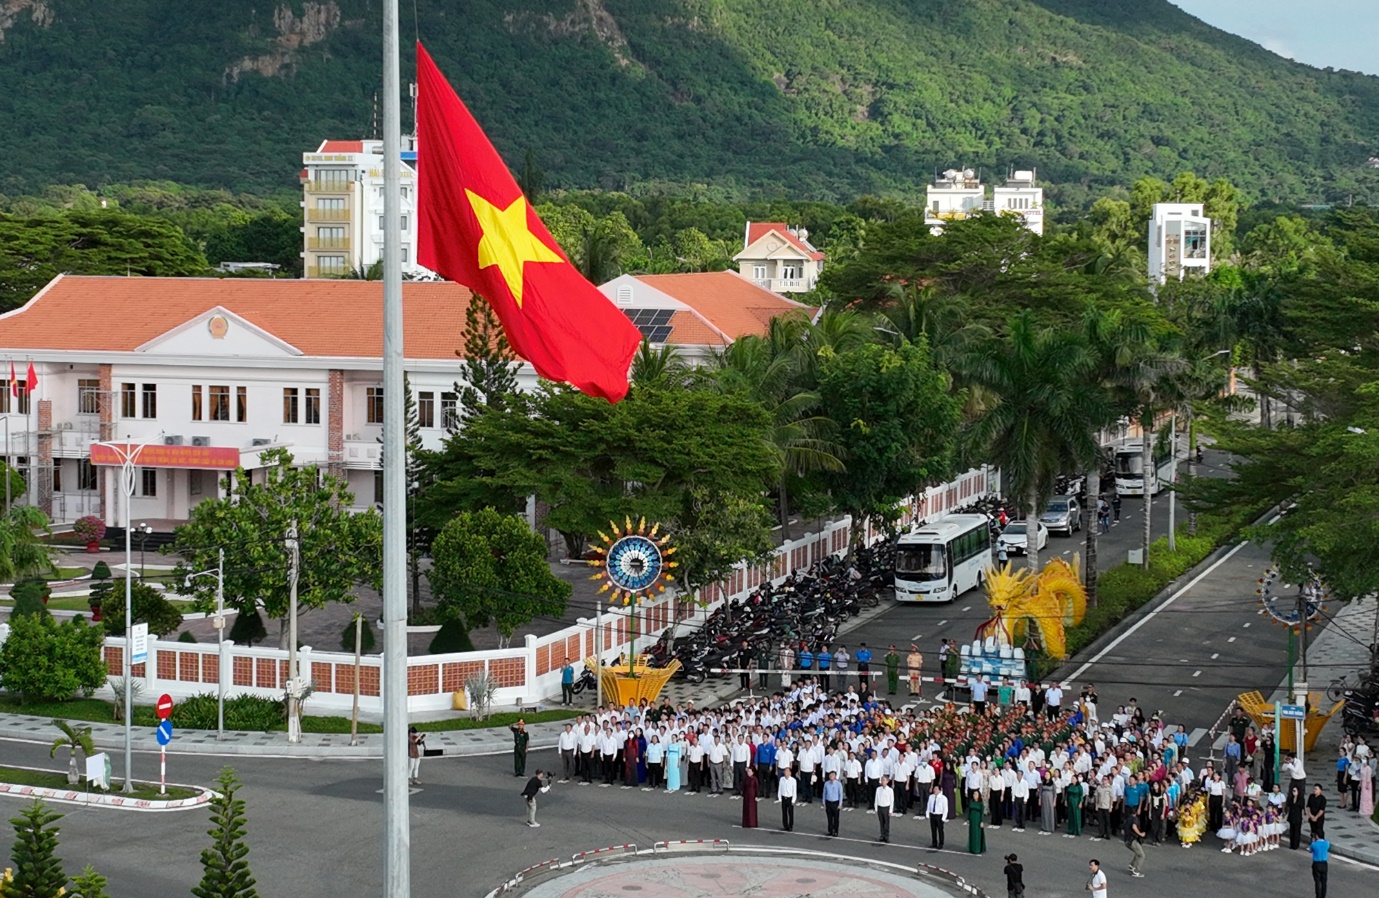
point(164, 706)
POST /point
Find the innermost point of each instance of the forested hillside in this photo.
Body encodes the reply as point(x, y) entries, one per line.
point(804, 98)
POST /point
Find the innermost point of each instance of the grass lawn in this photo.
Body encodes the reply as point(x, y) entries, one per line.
point(69, 573)
point(145, 791)
point(80, 603)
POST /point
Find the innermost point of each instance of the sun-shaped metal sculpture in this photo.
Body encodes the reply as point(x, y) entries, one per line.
point(634, 561)
point(1284, 609)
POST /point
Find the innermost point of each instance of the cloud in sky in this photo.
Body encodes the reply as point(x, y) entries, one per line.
point(1343, 35)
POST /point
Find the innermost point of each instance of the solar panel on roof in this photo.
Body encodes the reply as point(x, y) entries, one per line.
point(653, 323)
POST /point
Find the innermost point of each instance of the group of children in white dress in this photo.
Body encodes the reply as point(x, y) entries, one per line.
point(1250, 829)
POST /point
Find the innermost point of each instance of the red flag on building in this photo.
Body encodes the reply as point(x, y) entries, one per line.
point(476, 228)
point(14, 381)
point(31, 381)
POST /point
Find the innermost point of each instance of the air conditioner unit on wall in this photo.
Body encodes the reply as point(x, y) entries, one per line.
point(260, 441)
point(201, 441)
point(172, 440)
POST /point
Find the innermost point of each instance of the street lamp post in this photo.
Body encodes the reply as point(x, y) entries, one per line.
point(145, 531)
point(128, 454)
point(219, 572)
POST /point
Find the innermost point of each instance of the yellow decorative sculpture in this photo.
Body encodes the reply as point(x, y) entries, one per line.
point(1052, 601)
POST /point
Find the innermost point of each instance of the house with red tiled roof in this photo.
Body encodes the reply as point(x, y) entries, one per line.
point(779, 258)
point(700, 312)
point(209, 373)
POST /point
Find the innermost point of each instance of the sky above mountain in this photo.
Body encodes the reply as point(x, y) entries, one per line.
point(1343, 34)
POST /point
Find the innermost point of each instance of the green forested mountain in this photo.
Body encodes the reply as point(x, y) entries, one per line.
point(801, 98)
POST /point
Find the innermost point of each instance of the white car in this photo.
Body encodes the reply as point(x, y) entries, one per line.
point(1015, 538)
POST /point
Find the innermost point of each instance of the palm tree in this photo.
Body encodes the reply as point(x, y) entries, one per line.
point(73, 740)
point(918, 311)
point(1114, 342)
point(663, 367)
point(776, 370)
point(1039, 413)
point(23, 552)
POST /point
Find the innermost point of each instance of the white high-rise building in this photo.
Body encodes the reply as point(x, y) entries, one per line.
point(1179, 241)
point(1020, 196)
point(342, 208)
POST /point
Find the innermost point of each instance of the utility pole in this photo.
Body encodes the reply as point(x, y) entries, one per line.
point(598, 652)
point(1173, 482)
point(220, 646)
point(358, 646)
point(294, 556)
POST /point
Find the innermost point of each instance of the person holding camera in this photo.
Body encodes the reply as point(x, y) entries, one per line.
point(1015, 877)
point(416, 747)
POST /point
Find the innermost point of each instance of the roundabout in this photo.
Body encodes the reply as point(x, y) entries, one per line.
point(717, 869)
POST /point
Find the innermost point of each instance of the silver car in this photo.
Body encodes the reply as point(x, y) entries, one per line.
point(1062, 515)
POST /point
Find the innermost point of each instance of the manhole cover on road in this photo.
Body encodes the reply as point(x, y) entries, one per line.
point(631, 888)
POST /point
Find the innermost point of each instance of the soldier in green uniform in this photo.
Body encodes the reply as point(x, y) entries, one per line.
point(892, 671)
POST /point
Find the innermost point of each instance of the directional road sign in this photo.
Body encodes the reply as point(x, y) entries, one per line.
point(1292, 712)
point(165, 732)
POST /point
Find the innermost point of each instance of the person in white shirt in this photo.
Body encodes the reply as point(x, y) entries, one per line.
point(742, 756)
point(885, 800)
point(873, 771)
point(936, 809)
point(718, 760)
point(1019, 796)
point(852, 772)
point(1097, 884)
point(568, 744)
point(588, 740)
point(807, 761)
point(787, 801)
point(1053, 698)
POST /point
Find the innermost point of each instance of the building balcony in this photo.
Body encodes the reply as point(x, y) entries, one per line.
point(327, 214)
point(324, 243)
point(362, 451)
point(335, 188)
point(785, 285)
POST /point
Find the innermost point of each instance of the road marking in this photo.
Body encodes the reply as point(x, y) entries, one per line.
point(1247, 625)
point(916, 637)
point(1232, 639)
point(1178, 693)
point(821, 836)
point(1150, 616)
point(1196, 673)
point(1215, 656)
point(967, 608)
point(1195, 735)
point(942, 622)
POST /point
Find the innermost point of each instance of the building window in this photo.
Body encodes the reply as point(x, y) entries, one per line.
point(290, 399)
point(88, 397)
point(330, 238)
point(86, 475)
point(57, 476)
point(374, 405)
point(790, 272)
point(128, 400)
point(378, 488)
point(313, 405)
point(404, 255)
point(197, 411)
point(426, 409)
point(193, 483)
point(758, 272)
point(333, 179)
point(220, 403)
point(241, 404)
point(450, 411)
point(404, 227)
point(329, 265)
point(150, 400)
point(331, 209)
point(148, 478)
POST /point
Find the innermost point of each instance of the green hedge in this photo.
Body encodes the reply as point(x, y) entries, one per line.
point(1126, 588)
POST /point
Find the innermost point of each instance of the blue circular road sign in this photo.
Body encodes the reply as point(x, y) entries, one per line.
point(164, 732)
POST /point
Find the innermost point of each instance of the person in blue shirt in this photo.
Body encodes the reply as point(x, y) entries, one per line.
point(864, 668)
point(825, 660)
point(806, 659)
point(833, 801)
point(766, 767)
point(567, 683)
point(1321, 850)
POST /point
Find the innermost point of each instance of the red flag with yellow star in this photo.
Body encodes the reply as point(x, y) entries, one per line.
point(477, 229)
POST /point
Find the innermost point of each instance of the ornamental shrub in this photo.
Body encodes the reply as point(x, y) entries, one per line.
point(366, 638)
point(45, 661)
point(150, 607)
point(30, 597)
point(248, 628)
point(37, 869)
point(89, 528)
point(251, 713)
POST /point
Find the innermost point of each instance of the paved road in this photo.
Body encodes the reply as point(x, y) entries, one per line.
point(314, 833)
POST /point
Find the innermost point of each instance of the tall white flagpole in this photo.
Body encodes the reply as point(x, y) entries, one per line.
point(397, 871)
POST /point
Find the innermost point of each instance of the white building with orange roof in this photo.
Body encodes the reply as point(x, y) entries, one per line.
point(779, 258)
point(212, 372)
point(700, 312)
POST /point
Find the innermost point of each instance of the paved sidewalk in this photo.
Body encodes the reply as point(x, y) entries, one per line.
point(1340, 649)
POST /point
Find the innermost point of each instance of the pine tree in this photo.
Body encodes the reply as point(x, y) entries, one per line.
point(37, 869)
point(490, 366)
point(226, 870)
point(89, 884)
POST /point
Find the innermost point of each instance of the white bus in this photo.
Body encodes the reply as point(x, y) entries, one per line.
point(942, 559)
point(1130, 470)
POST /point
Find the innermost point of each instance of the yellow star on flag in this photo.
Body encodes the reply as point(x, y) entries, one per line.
point(507, 241)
